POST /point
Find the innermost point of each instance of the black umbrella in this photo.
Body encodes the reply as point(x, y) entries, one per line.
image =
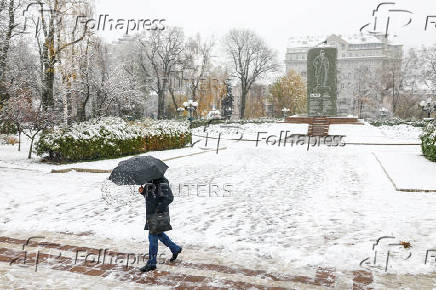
point(138, 170)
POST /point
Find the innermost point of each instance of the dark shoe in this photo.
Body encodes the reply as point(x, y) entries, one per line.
point(148, 268)
point(174, 257)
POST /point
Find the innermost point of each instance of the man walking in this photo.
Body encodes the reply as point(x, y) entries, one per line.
point(158, 196)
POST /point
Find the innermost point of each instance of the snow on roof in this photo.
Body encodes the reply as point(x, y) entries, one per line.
point(305, 41)
point(312, 41)
point(394, 41)
point(361, 39)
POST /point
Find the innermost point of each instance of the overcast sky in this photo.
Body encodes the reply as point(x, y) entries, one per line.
point(277, 20)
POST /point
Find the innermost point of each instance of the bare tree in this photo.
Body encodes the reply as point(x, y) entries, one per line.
point(92, 62)
point(8, 29)
point(162, 51)
point(36, 120)
point(21, 76)
point(190, 72)
point(428, 64)
point(250, 59)
point(7, 32)
point(12, 115)
point(107, 81)
point(393, 79)
point(52, 21)
point(408, 99)
point(21, 112)
point(196, 63)
point(366, 90)
point(21, 83)
point(72, 61)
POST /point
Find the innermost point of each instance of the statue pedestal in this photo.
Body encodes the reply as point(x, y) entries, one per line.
point(319, 126)
point(330, 120)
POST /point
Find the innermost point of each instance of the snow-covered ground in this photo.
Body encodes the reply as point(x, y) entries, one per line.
point(282, 209)
point(408, 170)
point(383, 134)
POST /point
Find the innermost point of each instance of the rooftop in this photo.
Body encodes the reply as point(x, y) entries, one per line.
point(312, 41)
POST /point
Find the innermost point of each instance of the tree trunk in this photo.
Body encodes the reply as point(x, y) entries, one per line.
point(82, 108)
point(5, 49)
point(81, 112)
point(242, 103)
point(173, 97)
point(47, 95)
point(160, 104)
point(31, 148)
point(48, 60)
point(393, 93)
point(6, 43)
point(19, 140)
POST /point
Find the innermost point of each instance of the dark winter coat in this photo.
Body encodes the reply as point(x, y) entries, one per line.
point(158, 196)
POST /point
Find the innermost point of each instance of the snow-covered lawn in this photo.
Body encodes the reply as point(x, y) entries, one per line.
point(409, 170)
point(285, 208)
point(249, 130)
point(383, 134)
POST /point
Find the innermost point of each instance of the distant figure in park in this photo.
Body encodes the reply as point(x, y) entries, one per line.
point(158, 196)
point(321, 65)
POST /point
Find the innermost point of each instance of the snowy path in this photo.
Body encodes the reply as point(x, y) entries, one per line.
point(283, 210)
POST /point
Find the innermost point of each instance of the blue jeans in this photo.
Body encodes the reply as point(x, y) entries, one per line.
point(153, 246)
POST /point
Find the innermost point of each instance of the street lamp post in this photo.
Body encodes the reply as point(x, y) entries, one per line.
point(228, 113)
point(383, 112)
point(285, 112)
point(427, 106)
point(180, 111)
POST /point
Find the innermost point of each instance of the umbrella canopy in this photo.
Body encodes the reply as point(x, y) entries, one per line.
point(138, 170)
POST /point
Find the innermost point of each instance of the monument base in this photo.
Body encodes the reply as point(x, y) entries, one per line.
point(319, 126)
point(329, 120)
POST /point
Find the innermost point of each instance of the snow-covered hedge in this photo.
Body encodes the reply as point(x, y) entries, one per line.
point(111, 137)
point(398, 121)
point(428, 138)
point(202, 122)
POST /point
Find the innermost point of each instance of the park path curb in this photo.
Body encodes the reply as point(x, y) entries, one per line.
point(91, 170)
point(393, 183)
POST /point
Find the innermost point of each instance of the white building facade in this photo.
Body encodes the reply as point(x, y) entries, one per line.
point(362, 63)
